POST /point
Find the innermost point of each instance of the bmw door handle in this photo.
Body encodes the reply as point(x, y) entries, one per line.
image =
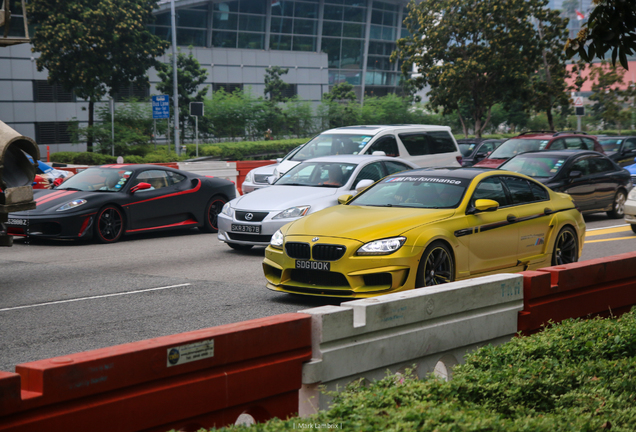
point(511, 218)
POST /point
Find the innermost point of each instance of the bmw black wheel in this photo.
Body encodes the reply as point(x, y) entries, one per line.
point(618, 205)
point(437, 266)
point(212, 211)
point(566, 247)
point(110, 224)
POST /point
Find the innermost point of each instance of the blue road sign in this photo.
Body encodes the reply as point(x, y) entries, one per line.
point(160, 107)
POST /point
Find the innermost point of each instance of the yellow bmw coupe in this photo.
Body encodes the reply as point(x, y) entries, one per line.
point(425, 227)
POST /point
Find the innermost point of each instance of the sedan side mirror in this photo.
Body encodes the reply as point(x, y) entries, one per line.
point(271, 179)
point(363, 184)
point(140, 186)
point(575, 174)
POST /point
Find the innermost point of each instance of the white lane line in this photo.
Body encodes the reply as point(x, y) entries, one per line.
point(613, 226)
point(92, 297)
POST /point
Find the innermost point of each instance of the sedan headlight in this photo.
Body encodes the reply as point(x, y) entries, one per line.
point(249, 177)
point(73, 204)
point(277, 240)
point(293, 212)
point(382, 247)
point(632, 194)
point(227, 209)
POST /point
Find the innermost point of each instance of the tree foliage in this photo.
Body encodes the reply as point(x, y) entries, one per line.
point(484, 58)
point(190, 76)
point(611, 26)
point(341, 92)
point(94, 47)
point(608, 97)
point(274, 84)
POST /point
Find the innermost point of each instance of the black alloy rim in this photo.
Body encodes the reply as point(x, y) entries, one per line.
point(437, 267)
point(110, 224)
point(566, 248)
point(213, 212)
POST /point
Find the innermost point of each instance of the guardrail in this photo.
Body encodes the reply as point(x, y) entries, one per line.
point(201, 379)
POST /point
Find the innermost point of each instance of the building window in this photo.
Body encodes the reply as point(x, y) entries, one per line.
point(192, 23)
point(45, 92)
point(239, 24)
point(290, 91)
point(228, 88)
point(131, 91)
point(52, 133)
point(294, 26)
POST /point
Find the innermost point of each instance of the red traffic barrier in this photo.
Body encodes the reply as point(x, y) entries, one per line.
point(201, 379)
point(599, 287)
point(243, 167)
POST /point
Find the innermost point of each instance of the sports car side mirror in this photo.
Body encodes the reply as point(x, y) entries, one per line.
point(344, 198)
point(140, 186)
point(484, 205)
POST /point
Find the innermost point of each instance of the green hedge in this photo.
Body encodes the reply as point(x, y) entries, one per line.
point(244, 150)
point(576, 376)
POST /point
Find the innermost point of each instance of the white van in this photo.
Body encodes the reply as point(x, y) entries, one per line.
point(424, 145)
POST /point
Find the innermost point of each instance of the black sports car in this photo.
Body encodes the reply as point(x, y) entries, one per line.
point(109, 201)
point(595, 182)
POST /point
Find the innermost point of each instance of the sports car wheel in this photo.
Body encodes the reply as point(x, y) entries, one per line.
point(239, 247)
point(110, 225)
point(566, 247)
point(618, 206)
point(212, 211)
point(437, 266)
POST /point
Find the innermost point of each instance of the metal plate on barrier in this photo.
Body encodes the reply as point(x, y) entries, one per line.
point(190, 352)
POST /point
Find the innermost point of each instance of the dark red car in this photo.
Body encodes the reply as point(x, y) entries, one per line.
point(539, 141)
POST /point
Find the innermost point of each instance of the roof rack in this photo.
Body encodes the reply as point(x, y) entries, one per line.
point(570, 132)
point(534, 132)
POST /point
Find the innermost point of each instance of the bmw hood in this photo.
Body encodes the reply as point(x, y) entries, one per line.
point(283, 197)
point(364, 223)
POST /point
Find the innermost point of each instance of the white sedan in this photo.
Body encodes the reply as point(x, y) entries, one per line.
point(251, 219)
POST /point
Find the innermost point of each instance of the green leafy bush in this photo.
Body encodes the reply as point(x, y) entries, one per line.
point(577, 376)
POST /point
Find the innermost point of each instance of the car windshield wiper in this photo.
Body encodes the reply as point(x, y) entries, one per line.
point(70, 188)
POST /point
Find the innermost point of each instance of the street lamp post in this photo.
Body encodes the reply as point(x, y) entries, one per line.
point(175, 94)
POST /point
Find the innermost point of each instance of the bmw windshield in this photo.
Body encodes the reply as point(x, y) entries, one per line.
point(416, 191)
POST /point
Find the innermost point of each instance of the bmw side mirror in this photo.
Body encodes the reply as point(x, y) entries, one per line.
point(271, 179)
point(483, 205)
point(575, 174)
point(344, 198)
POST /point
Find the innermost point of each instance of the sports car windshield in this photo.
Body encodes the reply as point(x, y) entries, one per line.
point(513, 147)
point(323, 174)
point(98, 179)
point(331, 144)
point(414, 191)
point(540, 167)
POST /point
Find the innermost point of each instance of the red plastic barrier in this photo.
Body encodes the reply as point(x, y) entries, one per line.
point(252, 367)
point(604, 286)
point(243, 167)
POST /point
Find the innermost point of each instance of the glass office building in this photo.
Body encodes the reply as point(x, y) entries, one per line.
point(357, 36)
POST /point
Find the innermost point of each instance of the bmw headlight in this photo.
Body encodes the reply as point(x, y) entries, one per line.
point(73, 204)
point(632, 194)
point(293, 212)
point(382, 247)
point(277, 240)
point(227, 209)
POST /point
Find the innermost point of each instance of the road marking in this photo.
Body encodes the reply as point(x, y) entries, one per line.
point(611, 230)
point(93, 297)
point(612, 239)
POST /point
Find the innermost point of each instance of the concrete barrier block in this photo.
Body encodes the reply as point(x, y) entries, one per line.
point(364, 338)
